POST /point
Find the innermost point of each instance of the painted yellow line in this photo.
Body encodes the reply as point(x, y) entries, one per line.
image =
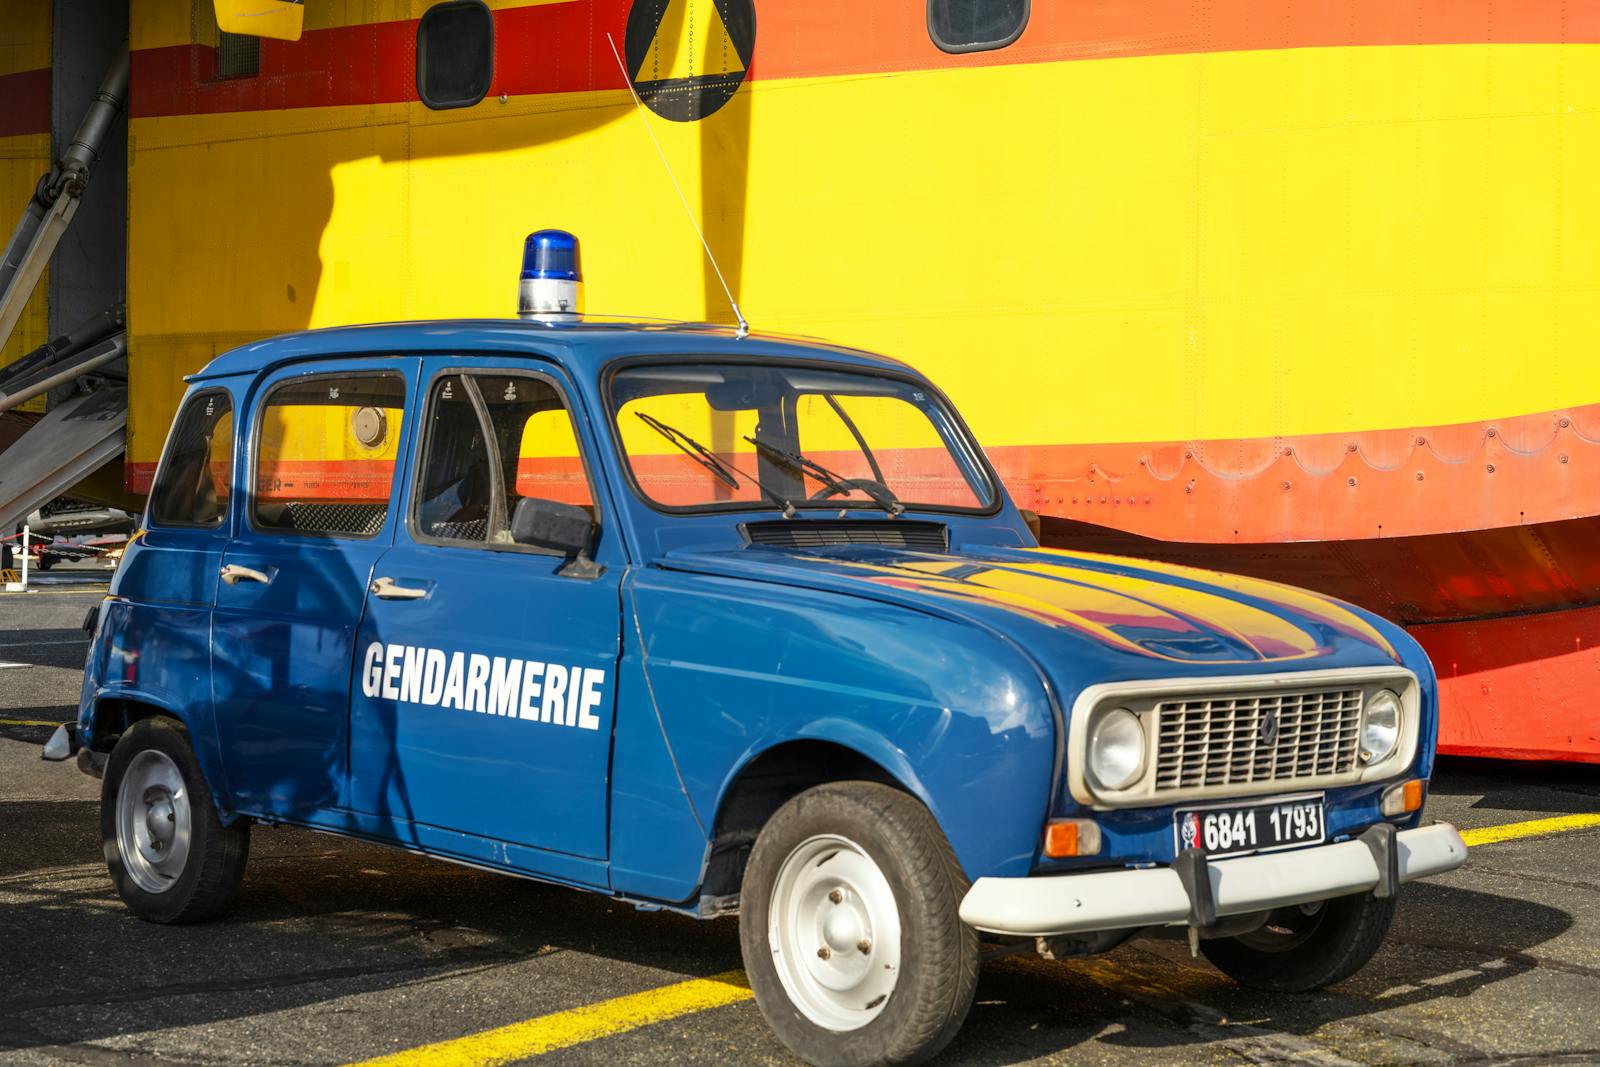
point(563, 1029)
point(97, 590)
point(27, 722)
point(1488, 835)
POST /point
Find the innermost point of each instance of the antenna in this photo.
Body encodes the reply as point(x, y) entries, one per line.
point(744, 327)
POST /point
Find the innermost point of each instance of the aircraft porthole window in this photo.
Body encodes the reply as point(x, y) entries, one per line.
point(455, 54)
point(976, 25)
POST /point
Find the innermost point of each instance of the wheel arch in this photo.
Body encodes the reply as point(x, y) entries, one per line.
point(112, 716)
point(770, 776)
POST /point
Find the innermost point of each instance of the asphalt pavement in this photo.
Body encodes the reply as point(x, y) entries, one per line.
point(338, 952)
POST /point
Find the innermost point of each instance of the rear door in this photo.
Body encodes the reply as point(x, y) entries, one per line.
point(326, 450)
point(486, 669)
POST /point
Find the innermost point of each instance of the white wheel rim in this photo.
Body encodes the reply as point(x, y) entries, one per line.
point(153, 821)
point(834, 930)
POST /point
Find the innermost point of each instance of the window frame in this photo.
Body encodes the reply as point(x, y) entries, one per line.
point(977, 46)
point(150, 519)
point(421, 51)
point(258, 418)
point(424, 439)
point(969, 440)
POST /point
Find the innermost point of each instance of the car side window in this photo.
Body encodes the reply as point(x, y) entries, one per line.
point(495, 446)
point(325, 454)
point(976, 25)
point(193, 484)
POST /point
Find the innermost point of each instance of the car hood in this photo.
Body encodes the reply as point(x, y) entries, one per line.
point(1132, 615)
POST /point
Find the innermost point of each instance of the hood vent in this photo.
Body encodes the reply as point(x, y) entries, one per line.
point(819, 533)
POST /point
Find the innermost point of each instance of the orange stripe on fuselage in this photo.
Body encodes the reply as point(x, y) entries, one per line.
point(823, 37)
point(563, 48)
point(1325, 487)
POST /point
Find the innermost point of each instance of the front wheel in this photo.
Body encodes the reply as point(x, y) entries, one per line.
point(850, 928)
point(1305, 947)
point(170, 857)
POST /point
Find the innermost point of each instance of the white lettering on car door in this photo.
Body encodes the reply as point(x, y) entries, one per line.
point(501, 686)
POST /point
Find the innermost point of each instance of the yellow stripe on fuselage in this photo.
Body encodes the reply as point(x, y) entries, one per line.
point(1211, 246)
point(26, 42)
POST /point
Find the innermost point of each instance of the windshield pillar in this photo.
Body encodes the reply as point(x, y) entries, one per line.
point(776, 426)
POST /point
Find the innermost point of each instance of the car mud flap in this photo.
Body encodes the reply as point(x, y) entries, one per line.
point(1193, 872)
point(1381, 842)
point(92, 763)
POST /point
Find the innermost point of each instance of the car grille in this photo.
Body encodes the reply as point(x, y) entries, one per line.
point(1258, 737)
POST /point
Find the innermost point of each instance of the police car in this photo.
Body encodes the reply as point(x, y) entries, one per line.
point(708, 622)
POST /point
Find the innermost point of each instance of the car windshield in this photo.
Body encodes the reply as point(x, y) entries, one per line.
point(708, 435)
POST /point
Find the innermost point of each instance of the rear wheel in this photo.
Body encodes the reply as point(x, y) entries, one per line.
point(1306, 947)
point(170, 857)
point(850, 928)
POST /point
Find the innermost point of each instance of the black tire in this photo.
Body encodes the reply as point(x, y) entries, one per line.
point(209, 875)
point(937, 952)
point(1296, 952)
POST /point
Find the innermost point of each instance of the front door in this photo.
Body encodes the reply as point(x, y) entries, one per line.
point(486, 666)
point(327, 452)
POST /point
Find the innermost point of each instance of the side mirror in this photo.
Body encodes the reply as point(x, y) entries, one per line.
point(564, 528)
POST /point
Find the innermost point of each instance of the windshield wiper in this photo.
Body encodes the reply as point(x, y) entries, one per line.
point(725, 472)
point(831, 480)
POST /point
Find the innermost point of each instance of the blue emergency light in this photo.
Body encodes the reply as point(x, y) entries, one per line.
point(552, 277)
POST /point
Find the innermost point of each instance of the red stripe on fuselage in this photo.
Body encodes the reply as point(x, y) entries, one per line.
point(550, 48)
point(25, 102)
point(563, 47)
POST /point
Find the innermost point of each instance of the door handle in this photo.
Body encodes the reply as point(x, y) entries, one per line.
point(233, 574)
point(386, 589)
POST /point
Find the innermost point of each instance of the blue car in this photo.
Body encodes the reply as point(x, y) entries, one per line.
point(715, 622)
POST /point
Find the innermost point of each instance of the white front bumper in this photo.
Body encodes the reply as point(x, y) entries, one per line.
point(1047, 905)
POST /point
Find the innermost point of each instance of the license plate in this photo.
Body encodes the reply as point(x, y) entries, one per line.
point(1233, 831)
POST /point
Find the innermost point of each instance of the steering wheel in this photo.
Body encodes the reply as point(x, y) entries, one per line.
point(844, 485)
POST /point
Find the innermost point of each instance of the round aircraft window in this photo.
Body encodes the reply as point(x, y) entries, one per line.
point(370, 426)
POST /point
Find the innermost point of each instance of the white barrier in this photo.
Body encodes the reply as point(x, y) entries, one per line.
point(22, 586)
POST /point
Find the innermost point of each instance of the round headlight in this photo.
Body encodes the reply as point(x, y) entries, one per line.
point(1116, 749)
point(1380, 726)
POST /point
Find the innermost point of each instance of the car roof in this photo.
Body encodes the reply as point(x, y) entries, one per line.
point(583, 347)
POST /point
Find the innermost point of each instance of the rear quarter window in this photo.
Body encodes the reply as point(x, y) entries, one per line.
point(192, 487)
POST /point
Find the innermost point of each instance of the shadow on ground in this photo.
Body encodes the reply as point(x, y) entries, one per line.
point(321, 918)
point(1506, 785)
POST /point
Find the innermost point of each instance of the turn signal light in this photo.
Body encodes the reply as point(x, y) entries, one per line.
point(1403, 799)
point(1071, 837)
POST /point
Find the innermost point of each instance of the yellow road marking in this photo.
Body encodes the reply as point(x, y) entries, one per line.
point(1488, 835)
point(98, 590)
point(27, 722)
point(563, 1029)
